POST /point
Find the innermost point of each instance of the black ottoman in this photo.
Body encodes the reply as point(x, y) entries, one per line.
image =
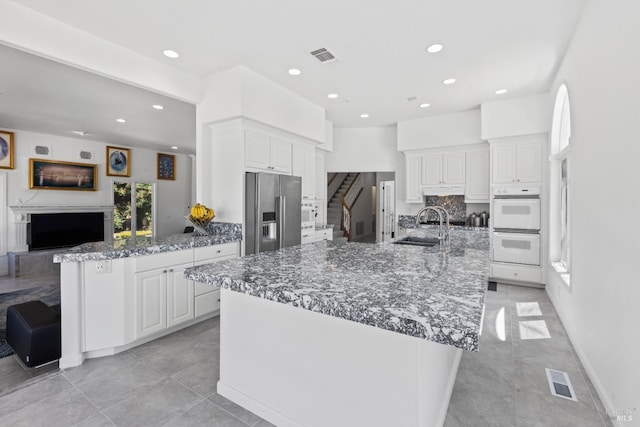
point(33, 332)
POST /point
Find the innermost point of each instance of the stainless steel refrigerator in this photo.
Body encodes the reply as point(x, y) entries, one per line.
point(272, 211)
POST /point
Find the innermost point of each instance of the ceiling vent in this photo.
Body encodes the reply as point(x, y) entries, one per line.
point(323, 55)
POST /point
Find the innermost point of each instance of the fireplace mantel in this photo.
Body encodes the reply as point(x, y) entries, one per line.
point(22, 217)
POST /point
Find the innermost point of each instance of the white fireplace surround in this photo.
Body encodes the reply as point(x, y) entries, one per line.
point(22, 217)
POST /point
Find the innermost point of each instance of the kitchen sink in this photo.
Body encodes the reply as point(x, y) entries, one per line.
point(418, 241)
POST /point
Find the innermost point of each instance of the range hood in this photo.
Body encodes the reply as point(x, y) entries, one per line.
point(443, 190)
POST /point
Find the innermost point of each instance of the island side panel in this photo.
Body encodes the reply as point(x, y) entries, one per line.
point(294, 367)
point(71, 315)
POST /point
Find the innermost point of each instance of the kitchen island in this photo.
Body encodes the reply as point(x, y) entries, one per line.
point(117, 295)
point(349, 334)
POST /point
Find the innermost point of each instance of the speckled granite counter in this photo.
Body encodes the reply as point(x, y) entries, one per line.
point(139, 246)
point(415, 291)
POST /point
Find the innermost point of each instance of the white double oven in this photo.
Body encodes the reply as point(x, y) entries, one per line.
point(516, 225)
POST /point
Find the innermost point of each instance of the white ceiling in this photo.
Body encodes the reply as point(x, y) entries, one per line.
point(380, 45)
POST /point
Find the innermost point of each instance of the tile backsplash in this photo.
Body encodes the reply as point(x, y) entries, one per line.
point(455, 205)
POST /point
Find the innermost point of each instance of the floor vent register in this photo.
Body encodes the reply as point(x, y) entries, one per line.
point(560, 385)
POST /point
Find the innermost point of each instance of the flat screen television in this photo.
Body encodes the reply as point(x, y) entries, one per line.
point(62, 230)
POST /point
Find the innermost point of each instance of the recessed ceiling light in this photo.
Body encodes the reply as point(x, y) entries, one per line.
point(173, 147)
point(364, 116)
point(501, 91)
point(435, 48)
point(170, 53)
point(158, 107)
point(332, 95)
point(425, 105)
point(294, 71)
point(121, 121)
point(449, 81)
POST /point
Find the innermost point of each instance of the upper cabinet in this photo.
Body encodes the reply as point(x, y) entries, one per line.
point(267, 153)
point(413, 184)
point(516, 161)
point(304, 165)
point(456, 170)
point(477, 178)
point(446, 168)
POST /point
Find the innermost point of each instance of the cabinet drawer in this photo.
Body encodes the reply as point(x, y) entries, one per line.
point(216, 251)
point(203, 288)
point(162, 260)
point(207, 303)
point(520, 273)
point(324, 234)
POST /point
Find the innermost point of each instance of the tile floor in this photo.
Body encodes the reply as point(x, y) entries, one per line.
point(171, 381)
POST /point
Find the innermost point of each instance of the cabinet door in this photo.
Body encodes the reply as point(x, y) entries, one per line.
point(280, 156)
point(477, 183)
point(151, 300)
point(180, 294)
point(431, 169)
point(453, 168)
point(529, 162)
point(503, 164)
point(412, 185)
point(257, 150)
point(304, 165)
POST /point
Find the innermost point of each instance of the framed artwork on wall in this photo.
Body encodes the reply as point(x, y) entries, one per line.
point(6, 150)
point(166, 166)
point(118, 161)
point(57, 175)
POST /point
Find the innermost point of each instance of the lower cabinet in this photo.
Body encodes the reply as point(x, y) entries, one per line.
point(164, 299)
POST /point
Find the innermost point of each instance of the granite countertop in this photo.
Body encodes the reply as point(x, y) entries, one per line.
point(140, 246)
point(411, 290)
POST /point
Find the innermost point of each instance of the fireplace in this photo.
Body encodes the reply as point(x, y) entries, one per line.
point(62, 230)
point(36, 227)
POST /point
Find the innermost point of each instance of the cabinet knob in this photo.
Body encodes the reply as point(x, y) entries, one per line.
point(171, 270)
point(164, 271)
point(218, 251)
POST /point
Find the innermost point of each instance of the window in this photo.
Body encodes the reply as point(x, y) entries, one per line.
point(560, 185)
point(128, 221)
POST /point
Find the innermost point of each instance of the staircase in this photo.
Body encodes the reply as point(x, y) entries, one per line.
point(334, 209)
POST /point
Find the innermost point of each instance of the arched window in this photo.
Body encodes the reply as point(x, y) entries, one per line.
point(560, 170)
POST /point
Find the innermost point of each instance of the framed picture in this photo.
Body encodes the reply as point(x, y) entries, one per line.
point(56, 175)
point(118, 161)
point(166, 166)
point(6, 150)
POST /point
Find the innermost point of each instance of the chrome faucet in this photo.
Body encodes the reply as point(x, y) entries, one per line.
point(443, 217)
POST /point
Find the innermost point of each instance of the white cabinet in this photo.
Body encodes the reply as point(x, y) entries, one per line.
point(164, 298)
point(516, 162)
point(266, 152)
point(443, 169)
point(324, 234)
point(207, 297)
point(151, 299)
point(477, 176)
point(413, 185)
point(304, 165)
point(180, 301)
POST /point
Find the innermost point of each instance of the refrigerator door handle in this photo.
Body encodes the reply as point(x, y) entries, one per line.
point(282, 220)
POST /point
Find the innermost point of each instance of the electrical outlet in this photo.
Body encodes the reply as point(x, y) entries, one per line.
point(103, 266)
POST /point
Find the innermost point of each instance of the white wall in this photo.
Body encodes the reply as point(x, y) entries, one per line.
point(172, 197)
point(368, 150)
point(601, 309)
point(444, 130)
point(527, 115)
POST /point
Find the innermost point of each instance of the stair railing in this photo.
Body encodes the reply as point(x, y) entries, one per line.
point(348, 200)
